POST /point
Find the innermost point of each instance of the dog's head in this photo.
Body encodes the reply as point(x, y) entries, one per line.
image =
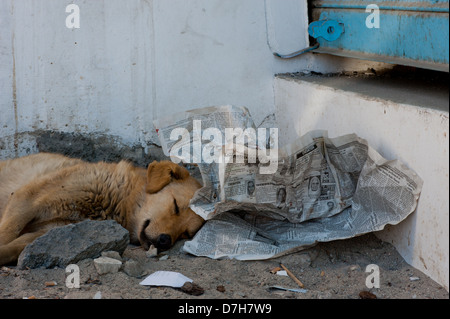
point(164, 215)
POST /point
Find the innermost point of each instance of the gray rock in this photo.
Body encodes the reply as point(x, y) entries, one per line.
point(107, 265)
point(133, 268)
point(69, 244)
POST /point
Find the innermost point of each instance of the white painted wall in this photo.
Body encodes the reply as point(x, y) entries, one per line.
point(417, 136)
point(135, 60)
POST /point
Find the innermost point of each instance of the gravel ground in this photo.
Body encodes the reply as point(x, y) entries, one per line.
point(335, 270)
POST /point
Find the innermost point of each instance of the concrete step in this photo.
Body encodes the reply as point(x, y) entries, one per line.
point(403, 116)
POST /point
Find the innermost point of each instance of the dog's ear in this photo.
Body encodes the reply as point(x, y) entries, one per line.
point(160, 174)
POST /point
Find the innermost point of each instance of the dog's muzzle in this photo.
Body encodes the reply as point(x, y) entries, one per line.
point(162, 242)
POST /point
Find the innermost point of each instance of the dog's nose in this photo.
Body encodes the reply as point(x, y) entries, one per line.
point(164, 241)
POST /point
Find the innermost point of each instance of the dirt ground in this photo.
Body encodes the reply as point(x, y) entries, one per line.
point(335, 270)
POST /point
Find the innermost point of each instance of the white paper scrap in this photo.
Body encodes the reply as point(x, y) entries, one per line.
point(165, 278)
point(303, 291)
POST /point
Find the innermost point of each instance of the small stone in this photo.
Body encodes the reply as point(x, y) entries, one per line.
point(112, 254)
point(98, 295)
point(106, 265)
point(151, 252)
point(367, 295)
point(192, 288)
point(133, 268)
point(354, 267)
point(220, 288)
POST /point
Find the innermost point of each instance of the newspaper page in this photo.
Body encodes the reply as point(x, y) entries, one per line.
point(317, 189)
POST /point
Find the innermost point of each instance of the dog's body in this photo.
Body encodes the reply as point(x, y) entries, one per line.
point(42, 191)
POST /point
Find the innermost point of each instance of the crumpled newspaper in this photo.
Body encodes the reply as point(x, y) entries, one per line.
point(261, 200)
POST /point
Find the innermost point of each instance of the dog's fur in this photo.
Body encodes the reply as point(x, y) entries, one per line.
point(42, 191)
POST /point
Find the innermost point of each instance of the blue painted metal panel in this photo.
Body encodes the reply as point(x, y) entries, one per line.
point(410, 32)
point(402, 5)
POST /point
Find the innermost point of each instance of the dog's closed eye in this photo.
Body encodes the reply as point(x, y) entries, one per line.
point(146, 223)
point(177, 209)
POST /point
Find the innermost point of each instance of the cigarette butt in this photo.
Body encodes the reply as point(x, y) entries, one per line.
point(275, 270)
point(50, 283)
point(299, 283)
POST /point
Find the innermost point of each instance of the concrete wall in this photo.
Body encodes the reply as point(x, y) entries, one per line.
point(133, 61)
point(404, 122)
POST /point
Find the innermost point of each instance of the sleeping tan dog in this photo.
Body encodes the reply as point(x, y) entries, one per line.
point(42, 191)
